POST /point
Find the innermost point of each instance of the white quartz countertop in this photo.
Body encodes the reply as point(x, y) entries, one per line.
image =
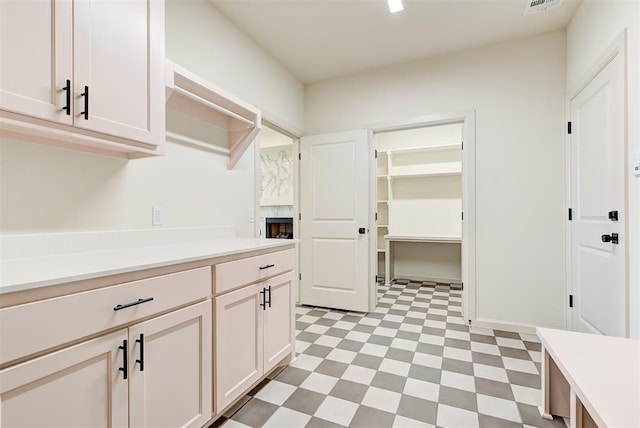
point(24, 273)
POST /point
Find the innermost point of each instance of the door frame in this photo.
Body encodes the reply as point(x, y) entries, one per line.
point(468, 120)
point(618, 47)
point(295, 134)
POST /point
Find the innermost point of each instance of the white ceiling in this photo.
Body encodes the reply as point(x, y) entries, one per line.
point(321, 39)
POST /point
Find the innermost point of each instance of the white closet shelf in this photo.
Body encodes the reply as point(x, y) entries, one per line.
point(424, 174)
point(421, 149)
point(383, 201)
point(383, 226)
point(192, 95)
point(418, 238)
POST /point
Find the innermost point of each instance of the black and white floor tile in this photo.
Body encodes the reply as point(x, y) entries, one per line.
point(412, 362)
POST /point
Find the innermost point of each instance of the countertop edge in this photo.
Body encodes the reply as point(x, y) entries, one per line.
point(242, 245)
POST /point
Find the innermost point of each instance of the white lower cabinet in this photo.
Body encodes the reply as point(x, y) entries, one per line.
point(153, 374)
point(80, 386)
point(170, 382)
point(254, 332)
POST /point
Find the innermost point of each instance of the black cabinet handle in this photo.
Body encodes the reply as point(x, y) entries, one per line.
point(85, 94)
point(264, 299)
point(141, 360)
point(128, 305)
point(269, 301)
point(125, 360)
point(67, 89)
point(266, 267)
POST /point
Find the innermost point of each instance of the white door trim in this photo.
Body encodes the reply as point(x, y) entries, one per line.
point(294, 134)
point(468, 119)
point(618, 47)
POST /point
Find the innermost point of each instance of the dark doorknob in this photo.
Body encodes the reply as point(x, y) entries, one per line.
point(362, 231)
point(613, 238)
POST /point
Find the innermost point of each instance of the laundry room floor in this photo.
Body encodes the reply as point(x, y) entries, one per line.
point(413, 362)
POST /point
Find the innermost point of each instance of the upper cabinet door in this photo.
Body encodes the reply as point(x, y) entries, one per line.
point(36, 51)
point(118, 57)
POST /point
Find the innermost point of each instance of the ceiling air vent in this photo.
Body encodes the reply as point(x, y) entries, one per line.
point(534, 6)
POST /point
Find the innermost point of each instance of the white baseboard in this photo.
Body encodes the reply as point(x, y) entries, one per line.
point(428, 278)
point(501, 325)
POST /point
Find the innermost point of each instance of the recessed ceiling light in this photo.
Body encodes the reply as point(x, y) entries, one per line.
point(395, 5)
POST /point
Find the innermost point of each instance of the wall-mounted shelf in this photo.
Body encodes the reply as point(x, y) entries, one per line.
point(192, 95)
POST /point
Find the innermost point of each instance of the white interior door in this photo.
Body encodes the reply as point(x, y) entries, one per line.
point(598, 188)
point(334, 229)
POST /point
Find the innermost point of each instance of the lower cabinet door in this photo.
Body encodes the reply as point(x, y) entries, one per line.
point(239, 339)
point(79, 386)
point(279, 322)
point(170, 369)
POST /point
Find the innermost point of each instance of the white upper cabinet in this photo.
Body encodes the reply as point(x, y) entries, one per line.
point(96, 67)
point(36, 58)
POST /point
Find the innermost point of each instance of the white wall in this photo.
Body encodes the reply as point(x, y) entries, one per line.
point(47, 189)
point(202, 40)
point(595, 26)
point(517, 90)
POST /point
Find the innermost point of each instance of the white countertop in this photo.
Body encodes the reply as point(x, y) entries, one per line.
point(18, 274)
point(605, 372)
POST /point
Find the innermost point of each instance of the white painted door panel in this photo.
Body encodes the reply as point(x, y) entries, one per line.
point(36, 50)
point(335, 262)
point(279, 321)
point(174, 388)
point(79, 386)
point(114, 60)
point(239, 343)
point(597, 187)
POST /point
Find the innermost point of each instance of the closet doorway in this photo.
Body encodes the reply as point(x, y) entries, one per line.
point(424, 203)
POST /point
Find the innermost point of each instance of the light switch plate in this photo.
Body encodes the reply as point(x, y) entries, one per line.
point(157, 217)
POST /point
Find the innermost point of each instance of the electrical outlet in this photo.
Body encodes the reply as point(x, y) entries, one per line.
point(157, 218)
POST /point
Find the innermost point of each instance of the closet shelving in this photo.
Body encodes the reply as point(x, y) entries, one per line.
point(419, 196)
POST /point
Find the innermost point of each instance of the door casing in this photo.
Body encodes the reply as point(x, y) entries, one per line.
point(468, 120)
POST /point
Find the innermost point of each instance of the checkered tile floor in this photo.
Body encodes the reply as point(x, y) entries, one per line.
point(413, 362)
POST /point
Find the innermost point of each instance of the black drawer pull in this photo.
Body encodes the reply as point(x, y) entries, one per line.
point(67, 107)
point(266, 267)
point(85, 94)
point(128, 305)
point(141, 360)
point(263, 297)
point(125, 360)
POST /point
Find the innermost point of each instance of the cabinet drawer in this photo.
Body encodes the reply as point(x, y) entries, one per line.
point(237, 273)
point(35, 327)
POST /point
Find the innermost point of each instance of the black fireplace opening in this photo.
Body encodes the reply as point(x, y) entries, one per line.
point(279, 227)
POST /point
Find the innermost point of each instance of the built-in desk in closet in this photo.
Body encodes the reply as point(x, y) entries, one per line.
point(419, 203)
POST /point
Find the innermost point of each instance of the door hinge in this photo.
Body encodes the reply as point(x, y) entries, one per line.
point(570, 214)
point(300, 276)
point(462, 215)
point(462, 146)
point(569, 127)
point(376, 216)
point(299, 156)
point(376, 153)
point(299, 216)
point(462, 286)
point(571, 300)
